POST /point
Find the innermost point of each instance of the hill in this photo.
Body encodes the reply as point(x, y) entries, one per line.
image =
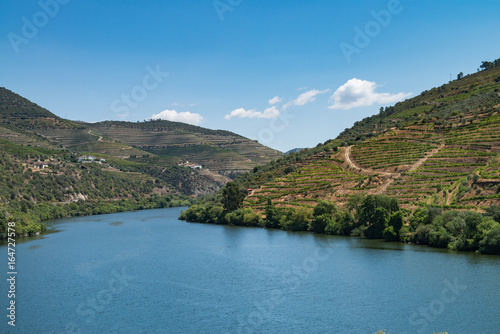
point(144, 165)
point(223, 152)
point(438, 148)
point(295, 150)
point(395, 175)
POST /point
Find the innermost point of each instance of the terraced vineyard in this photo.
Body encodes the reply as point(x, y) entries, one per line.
point(440, 175)
point(392, 152)
point(221, 151)
point(25, 138)
point(322, 176)
point(447, 153)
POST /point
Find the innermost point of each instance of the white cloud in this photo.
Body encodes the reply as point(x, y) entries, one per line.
point(275, 100)
point(274, 111)
point(184, 117)
point(357, 93)
point(271, 112)
point(308, 96)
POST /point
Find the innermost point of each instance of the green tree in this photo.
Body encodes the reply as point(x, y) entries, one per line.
point(486, 65)
point(296, 220)
point(439, 238)
point(354, 203)
point(3, 222)
point(214, 214)
point(343, 224)
point(232, 196)
point(389, 234)
point(319, 223)
point(324, 208)
point(378, 221)
point(456, 226)
point(482, 230)
point(273, 215)
point(251, 218)
point(396, 220)
point(421, 234)
point(494, 212)
point(491, 243)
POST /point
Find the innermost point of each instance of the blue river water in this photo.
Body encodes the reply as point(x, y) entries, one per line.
point(147, 272)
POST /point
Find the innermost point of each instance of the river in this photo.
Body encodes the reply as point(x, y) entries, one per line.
point(147, 272)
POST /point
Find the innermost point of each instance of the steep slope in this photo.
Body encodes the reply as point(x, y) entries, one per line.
point(38, 184)
point(223, 152)
point(441, 147)
point(41, 176)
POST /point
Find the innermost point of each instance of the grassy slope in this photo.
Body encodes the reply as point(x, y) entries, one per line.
point(30, 134)
point(26, 123)
point(425, 150)
point(221, 151)
point(31, 195)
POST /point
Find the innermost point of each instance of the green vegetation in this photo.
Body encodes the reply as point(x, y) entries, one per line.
point(41, 177)
point(371, 216)
point(221, 151)
point(406, 174)
point(439, 148)
point(38, 184)
point(26, 123)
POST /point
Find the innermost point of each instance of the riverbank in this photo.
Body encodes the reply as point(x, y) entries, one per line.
point(372, 217)
point(94, 269)
point(31, 222)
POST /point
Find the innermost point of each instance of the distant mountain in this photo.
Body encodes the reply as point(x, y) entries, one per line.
point(295, 150)
point(223, 152)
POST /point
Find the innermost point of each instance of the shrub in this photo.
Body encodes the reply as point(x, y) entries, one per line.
point(389, 234)
point(215, 214)
point(194, 214)
point(456, 226)
point(273, 215)
point(491, 243)
point(319, 223)
point(421, 234)
point(251, 218)
point(358, 231)
point(439, 238)
point(405, 234)
point(296, 220)
point(324, 208)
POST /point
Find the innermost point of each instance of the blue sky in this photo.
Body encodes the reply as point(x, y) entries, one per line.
point(288, 73)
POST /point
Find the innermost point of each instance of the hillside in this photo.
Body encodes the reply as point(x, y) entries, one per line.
point(223, 152)
point(38, 184)
point(145, 165)
point(426, 171)
point(220, 151)
point(441, 147)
